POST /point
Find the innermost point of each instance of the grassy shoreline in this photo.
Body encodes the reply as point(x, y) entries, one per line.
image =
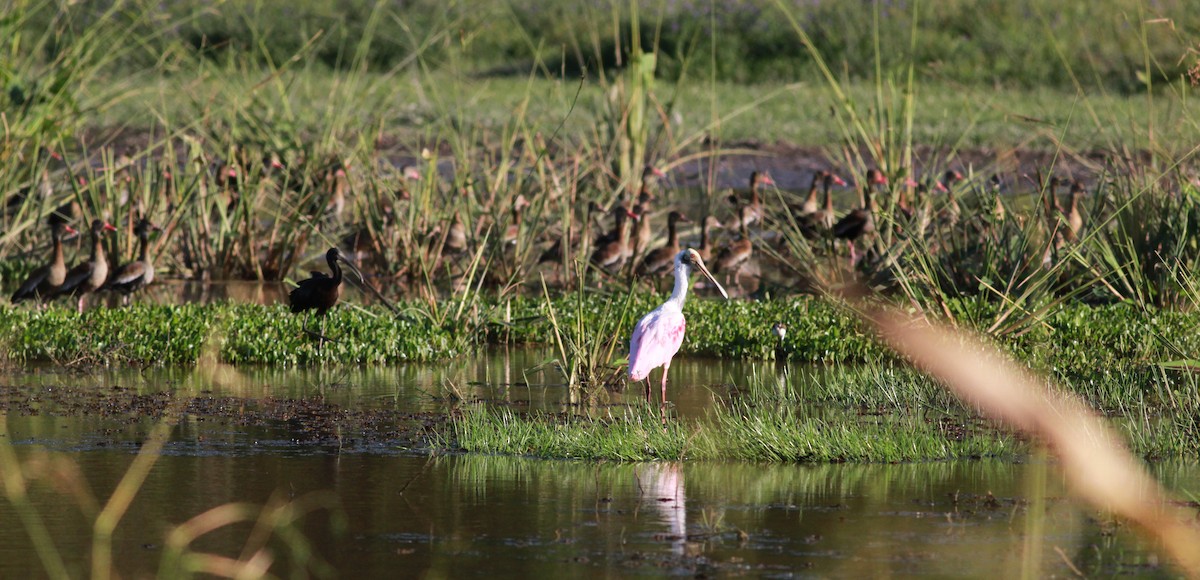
point(1072, 338)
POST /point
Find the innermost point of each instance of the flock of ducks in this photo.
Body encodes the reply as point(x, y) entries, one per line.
point(623, 248)
point(631, 246)
point(54, 280)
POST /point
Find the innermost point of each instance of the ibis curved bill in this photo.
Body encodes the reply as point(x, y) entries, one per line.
point(659, 334)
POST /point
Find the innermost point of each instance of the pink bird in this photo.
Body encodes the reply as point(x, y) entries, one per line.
point(658, 335)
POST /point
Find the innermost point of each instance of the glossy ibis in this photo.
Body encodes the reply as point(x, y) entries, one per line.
point(321, 291)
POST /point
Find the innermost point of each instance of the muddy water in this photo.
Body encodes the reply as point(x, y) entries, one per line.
point(385, 512)
point(520, 377)
point(392, 515)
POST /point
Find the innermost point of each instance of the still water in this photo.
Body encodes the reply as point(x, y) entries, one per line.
point(382, 512)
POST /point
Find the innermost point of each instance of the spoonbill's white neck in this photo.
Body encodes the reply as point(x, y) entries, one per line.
point(682, 281)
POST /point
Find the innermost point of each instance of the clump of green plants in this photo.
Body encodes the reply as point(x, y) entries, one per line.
point(736, 431)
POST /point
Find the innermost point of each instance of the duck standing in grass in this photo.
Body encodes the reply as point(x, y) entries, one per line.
point(44, 281)
point(134, 276)
point(90, 275)
point(659, 261)
point(659, 334)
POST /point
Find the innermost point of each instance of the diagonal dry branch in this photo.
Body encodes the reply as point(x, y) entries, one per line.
point(1098, 466)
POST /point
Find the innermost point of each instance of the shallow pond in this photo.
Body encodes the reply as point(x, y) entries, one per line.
point(385, 512)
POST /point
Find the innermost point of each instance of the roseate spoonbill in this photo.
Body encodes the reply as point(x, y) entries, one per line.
point(659, 334)
point(45, 280)
point(92, 274)
point(705, 249)
point(321, 292)
point(136, 275)
point(658, 261)
point(754, 208)
point(860, 221)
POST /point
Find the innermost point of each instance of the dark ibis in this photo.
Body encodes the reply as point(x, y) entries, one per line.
point(321, 291)
point(90, 275)
point(47, 279)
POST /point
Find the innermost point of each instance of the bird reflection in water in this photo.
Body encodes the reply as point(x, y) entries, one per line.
point(661, 487)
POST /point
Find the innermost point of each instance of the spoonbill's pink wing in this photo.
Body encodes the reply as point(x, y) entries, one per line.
point(656, 338)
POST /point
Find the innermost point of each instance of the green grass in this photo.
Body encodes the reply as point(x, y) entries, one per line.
point(797, 113)
point(1070, 341)
point(734, 432)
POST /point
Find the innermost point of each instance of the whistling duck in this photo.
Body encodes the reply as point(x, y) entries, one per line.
point(1073, 216)
point(860, 221)
point(737, 253)
point(136, 275)
point(823, 219)
point(661, 260)
point(811, 204)
point(615, 212)
point(644, 235)
point(611, 255)
point(951, 212)
point(514, 226)
point(321, 291)
point(994, 185)
point(558, 252)
point(754, 209)
point(89, 275)
point(1050, 206)
point(705, 249)
point(649, 174)
point(338, 185)
point(47, 279)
